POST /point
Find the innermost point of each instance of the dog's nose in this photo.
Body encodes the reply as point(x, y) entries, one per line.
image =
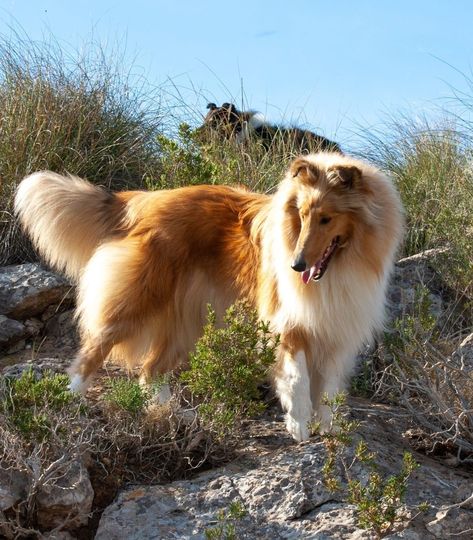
point(299, 264)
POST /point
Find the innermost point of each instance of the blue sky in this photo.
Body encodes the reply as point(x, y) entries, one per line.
point(329, 65)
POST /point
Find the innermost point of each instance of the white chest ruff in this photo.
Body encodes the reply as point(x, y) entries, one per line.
point(345, 307)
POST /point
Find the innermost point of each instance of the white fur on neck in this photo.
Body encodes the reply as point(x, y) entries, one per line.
point(257, 120)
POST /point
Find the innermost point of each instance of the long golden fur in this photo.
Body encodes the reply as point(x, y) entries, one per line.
point(147, 265)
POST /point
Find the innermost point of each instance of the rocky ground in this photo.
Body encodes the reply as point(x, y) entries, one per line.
point(277, 483)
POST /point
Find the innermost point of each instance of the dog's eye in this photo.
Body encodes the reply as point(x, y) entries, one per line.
point(324, 220)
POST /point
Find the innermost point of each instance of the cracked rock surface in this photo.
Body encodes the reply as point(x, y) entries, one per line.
point(283, 495)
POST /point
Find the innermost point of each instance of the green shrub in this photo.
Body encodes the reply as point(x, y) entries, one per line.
point(30, 402)
point(228, 365)
point(183, 162)
point(379, 499)
point(227, 523)
point(127, 394)
point(190, 159)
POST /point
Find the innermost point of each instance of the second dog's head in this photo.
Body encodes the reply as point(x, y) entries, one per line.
point(230, 123)
point(226, 120)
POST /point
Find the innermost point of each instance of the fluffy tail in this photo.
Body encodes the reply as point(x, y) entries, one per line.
point(66, 217)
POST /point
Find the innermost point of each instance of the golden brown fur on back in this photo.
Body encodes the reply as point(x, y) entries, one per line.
point(147, 265)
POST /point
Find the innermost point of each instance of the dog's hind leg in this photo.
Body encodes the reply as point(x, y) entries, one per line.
point(112, 308)
point(292, 383)
point(156, 365)
point(96, 345)
point(90, 358)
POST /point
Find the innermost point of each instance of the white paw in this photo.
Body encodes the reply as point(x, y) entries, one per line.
point(299, 429)
point(78, 385)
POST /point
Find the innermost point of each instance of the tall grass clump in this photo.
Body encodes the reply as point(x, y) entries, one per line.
point(76, 113)
point(420, 364)
point(432, 165)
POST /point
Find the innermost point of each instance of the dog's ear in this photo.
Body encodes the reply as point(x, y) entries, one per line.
point(230, 108)
point(347, 175)
point(211, 106)
point(304, 170)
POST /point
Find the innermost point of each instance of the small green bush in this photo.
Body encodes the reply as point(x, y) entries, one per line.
point(30, 402)
point(183, 162)
point(227, 523)
point(379, 500)
point(227, 366)
point(128, 395)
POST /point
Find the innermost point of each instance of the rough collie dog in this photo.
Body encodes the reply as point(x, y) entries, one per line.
point(230, 123)
point(314, 259)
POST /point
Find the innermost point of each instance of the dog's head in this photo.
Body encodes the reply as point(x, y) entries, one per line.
point(226, 120)
point(324, 202)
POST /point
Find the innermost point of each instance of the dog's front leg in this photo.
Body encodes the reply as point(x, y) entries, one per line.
point(333, 377)
point(293, 388)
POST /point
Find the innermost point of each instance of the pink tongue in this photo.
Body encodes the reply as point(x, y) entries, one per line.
point(307, 275)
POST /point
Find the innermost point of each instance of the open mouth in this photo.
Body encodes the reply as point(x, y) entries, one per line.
point(318, 270)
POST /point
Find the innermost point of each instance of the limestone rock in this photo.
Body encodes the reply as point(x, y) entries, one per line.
point(69, 498)
point(283, 495)
point(11, 332)
point(455, 522)
point(26, 290)
point(411, 274)
point(13, 486)
point(38, 367)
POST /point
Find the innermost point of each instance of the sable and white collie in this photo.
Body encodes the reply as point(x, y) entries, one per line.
point(314, 259)
point(240, 126)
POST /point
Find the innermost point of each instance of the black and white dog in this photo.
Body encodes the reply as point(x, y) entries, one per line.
point(229, 122)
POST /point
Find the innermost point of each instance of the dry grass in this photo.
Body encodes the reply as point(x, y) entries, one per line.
point(79, 114)
point(433, 168)
point(116, 445)
point(432, 164)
